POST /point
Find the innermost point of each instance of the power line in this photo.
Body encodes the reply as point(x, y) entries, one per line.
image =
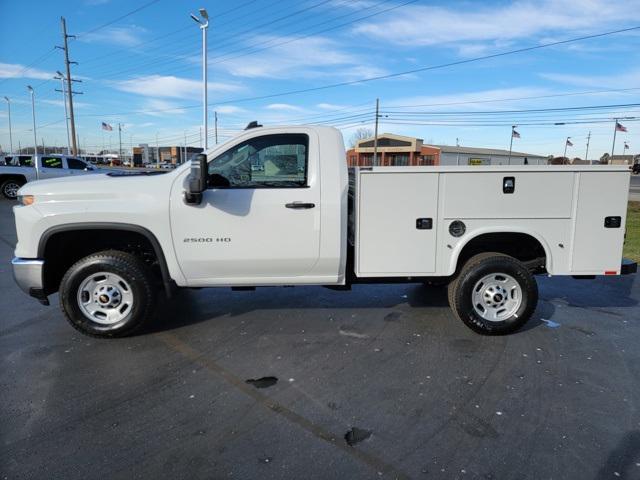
point(121, 17)
point(277, 44)
point(431, 67)
point(535, 110)
point(29, 66)
point(568, 94)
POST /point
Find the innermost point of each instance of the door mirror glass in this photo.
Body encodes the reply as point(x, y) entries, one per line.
point(197, 179)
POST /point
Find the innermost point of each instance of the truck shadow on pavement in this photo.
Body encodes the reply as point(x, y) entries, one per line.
point(190, 307)
point(610, 296)
point(622, 461)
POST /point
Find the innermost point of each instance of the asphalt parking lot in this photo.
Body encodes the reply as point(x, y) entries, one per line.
point(429, 398)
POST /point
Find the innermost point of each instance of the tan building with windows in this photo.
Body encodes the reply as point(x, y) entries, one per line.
point(393, 150)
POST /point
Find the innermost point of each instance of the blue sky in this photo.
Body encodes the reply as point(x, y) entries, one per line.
point(143, 70)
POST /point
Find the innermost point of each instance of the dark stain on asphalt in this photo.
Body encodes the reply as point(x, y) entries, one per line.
point(589, 333)
point(356, 435)
point(476, 427)
point(264, 382)
point(332, 405)
point(392, 317)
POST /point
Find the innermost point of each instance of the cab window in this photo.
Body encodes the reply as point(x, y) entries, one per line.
point(269, 161)
point(76, 164)
point(51, 162)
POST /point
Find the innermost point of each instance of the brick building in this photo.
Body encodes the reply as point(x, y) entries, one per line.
point(393, 150)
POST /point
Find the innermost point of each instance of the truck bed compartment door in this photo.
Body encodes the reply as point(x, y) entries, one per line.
point(600, 222)
point(397, 219)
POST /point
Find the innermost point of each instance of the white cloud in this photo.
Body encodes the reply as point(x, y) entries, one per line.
point(424, 25)
point(611, 80)
point(15, 70)
point(171, 87)
point(330, 106)
point(311, 57)
point(229, 109)
point(283, 107)
point(161, 108)
point(127, 36)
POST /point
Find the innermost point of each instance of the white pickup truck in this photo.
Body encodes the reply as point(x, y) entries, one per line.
point(278, 206)
point(18, 170)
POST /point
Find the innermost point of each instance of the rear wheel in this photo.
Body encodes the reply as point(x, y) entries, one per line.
point(494, 294)
point(107, 294)
point(10, 188)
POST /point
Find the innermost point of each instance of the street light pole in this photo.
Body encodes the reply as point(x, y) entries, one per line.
point(586, 154)
point(60, 76)
point(10, 137)
point(35, 136)
point(204, 24)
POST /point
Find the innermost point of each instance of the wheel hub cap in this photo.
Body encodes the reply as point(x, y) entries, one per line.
point(496, 297)
point(105, 298)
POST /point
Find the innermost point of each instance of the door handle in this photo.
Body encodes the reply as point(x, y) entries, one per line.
point(300, 205)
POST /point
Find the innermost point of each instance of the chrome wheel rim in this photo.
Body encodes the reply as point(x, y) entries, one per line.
point(11, 189)
point(496, 297)
point(105, 298)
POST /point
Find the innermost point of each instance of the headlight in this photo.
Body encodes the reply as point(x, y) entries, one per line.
point(26, 200)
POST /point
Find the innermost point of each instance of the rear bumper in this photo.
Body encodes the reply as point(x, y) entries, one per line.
point(628, 267)
point(28, 274)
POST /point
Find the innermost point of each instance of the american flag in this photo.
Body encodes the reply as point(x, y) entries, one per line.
point(569, 144)
point(620, 127)
point(515, 134)
point(107, 127)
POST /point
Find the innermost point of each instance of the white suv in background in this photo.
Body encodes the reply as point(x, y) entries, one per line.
point(18, 170)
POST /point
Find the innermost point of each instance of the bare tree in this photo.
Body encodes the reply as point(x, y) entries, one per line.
point(360, 134)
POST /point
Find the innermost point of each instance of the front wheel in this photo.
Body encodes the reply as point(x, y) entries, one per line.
point(107, 294)
point(10, 188)
point(494, 294)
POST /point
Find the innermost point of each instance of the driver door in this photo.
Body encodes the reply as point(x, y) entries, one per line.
point(259, 220)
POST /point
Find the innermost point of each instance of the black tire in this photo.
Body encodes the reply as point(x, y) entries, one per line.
point(10, 187)
point(460, 293)
point(135, 273)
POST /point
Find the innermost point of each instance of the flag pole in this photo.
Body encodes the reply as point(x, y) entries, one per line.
point(566, 144)
point(615, 131)
point(511, 143)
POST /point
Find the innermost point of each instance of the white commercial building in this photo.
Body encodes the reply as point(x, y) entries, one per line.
point(486, 156)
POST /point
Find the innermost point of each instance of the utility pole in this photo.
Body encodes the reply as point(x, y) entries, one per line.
point(215, 116)
point(200, 137)
point(157, 151)
point(586, 154)
point(375, 135)
point(10, 138)
point(65, 38)
point(44, 151)
point(457, 152)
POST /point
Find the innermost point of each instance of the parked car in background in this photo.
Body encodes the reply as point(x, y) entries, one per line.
point(19, 170)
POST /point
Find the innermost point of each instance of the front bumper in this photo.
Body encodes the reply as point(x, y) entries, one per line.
point(28, 274)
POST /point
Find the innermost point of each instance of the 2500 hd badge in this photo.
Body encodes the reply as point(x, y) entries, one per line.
point(207, 240)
